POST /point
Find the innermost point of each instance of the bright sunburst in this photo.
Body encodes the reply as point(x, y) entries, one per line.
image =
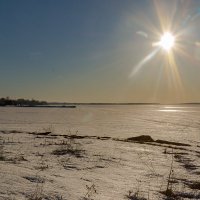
point(167, 41)
point(170, 36)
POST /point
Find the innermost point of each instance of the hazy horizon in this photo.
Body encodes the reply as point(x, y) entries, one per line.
point(98, 103)
point(100, 51)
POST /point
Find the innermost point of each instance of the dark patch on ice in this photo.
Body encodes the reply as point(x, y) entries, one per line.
point(10, 131)
point(134, 195)
point(172, 143)
point(40, 133)
point(34, 179)
point(175, 153)
point(141, 138)
point(94, 167)
point(149, 139)
point(190, 166)
point(75, 152)
point(85, 179)
point(69, 167)
point(75, 136)
point(99, 166)
point(17, 159)
point(173, 195)
point(103, 138)
point(194, 185)
point(87, 137)
point(2, 158)
point(188, 195)
point(46, 137)
point(187, 163)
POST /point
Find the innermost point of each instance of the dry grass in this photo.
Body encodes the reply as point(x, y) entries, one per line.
point(134, 195)
point(2, 156)
point(70, 147)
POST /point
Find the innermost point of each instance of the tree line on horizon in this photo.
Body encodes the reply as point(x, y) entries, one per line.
point(20, 102)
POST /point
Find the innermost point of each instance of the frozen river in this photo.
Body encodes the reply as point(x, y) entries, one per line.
point(178, 123)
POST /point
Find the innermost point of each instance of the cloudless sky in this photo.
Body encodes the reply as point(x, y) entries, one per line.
point(87, 50)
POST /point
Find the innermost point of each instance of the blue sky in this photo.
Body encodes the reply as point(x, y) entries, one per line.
point(85, 51)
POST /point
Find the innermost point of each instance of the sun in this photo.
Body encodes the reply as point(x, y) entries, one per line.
point(167, 41)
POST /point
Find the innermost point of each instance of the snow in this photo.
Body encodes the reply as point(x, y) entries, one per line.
point(104, 168)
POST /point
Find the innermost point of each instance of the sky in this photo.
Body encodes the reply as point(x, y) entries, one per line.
point(99, 51)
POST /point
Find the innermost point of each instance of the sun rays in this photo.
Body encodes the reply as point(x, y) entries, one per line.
point(169, 45)
point(144, 61)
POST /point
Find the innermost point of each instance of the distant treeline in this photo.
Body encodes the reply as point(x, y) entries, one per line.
point(20, 102)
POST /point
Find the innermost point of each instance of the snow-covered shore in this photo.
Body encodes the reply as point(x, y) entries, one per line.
point(45, 165)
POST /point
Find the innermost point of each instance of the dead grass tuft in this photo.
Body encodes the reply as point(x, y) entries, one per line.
point(134, 195)
point(69, 147)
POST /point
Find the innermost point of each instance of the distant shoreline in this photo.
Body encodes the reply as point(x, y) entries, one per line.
point(74, 105)
point(42, 106)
